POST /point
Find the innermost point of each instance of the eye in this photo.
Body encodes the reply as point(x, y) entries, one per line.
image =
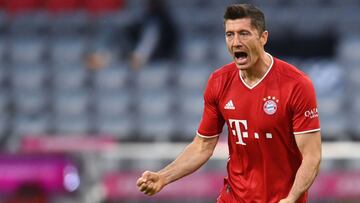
point(229, 34)
point(244, 33)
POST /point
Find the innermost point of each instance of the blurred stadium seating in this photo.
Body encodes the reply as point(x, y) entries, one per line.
point(47, 89)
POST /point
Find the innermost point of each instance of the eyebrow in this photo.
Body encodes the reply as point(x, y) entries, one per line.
point(242, 30)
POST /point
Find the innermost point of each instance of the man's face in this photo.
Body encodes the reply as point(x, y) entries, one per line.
point(244, 42)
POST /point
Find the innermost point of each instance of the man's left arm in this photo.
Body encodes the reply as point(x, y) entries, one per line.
point(309, 145)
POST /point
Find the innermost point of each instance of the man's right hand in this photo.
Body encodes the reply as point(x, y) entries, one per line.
point(150, 183)
point(192, 158)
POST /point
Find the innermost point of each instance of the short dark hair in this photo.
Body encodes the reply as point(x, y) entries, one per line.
point(238, 11)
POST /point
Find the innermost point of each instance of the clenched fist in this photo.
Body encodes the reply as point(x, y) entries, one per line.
point(150, 183)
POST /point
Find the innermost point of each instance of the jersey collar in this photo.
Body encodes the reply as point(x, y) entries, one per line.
point(267, 72)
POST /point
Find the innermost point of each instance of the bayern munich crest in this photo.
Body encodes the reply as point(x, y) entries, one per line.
point(270, 105)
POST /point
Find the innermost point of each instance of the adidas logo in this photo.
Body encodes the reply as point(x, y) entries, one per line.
point(229, 105)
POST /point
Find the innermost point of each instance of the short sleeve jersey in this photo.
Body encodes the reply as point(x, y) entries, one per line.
point(262, 121)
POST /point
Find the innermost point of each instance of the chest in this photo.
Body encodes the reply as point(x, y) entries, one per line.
point(262, 108)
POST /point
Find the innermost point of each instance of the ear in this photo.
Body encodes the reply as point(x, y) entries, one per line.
point(264, 37)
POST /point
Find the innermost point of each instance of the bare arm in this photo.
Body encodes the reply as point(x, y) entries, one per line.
point(310, 147)
point(192, 158)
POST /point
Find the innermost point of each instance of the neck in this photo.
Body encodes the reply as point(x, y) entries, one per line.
point(252, 75)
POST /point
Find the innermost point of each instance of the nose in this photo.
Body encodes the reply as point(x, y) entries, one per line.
point(237, 41)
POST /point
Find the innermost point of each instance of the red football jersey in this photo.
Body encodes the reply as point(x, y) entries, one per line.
point(262, 121)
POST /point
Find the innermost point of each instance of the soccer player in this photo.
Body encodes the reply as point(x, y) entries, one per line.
point(270, 109)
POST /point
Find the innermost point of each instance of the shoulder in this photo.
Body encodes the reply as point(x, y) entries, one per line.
point(295, 82)
point(224, 72)
point(220, 79)
point(291, 73)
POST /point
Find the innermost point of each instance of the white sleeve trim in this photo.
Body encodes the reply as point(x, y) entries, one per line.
point(203, 136)
point(308, 131)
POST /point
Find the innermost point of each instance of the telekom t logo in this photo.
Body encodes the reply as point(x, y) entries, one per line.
point(237, 131)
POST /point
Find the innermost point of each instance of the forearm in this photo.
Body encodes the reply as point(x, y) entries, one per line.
point(191, 159)
point(305, 176)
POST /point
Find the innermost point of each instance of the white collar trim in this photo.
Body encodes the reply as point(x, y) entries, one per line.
point(251, 87)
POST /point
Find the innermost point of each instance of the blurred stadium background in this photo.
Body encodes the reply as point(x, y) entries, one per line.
point(69, 133)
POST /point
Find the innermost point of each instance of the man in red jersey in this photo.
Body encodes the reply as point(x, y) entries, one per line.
point(270, 109)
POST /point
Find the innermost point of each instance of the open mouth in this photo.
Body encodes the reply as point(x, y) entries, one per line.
point(240, 57)
point(240, 54)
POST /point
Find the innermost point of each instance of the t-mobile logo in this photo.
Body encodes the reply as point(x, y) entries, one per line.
point(240, 135)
